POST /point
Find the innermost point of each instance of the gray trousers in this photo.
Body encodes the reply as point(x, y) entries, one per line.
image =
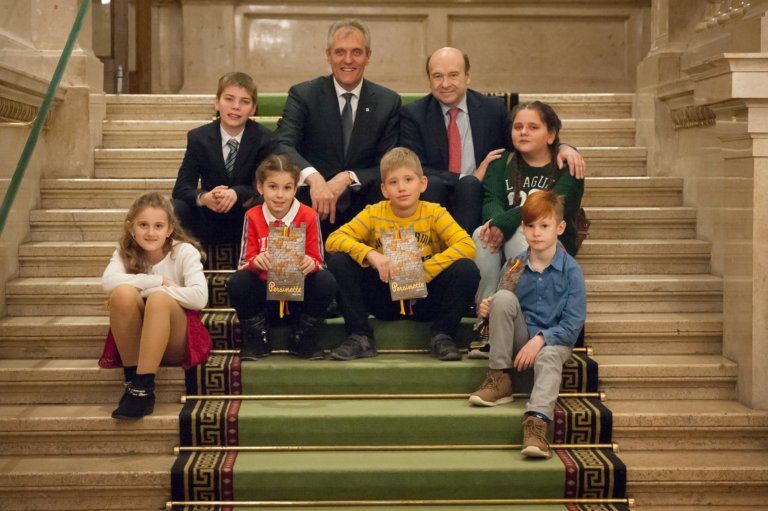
point(508, 334)
point(490, 264)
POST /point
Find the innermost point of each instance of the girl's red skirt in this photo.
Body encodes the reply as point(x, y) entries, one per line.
point(198, 345)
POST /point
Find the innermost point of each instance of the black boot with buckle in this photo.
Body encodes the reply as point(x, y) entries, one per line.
point(256, 345)
point(303, 342)
point(138, 399)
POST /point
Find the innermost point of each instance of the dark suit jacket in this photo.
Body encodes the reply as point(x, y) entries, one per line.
point(204, 161)
point(422, 129)
point(310, 128)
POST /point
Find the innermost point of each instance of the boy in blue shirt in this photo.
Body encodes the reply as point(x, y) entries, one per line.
point(537, 325)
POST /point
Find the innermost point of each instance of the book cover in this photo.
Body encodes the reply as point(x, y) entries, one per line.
point(286, 246)
point(406, 279)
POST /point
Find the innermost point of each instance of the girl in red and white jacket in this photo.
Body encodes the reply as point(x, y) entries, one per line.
point(277, 180)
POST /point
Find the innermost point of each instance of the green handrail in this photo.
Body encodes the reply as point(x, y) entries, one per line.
point(45, 107)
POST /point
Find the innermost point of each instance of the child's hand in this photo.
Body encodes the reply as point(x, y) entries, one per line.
point(484, 309)
point(307, 265)
point(169, 283)
point(381, 263)
point(262, 262)
point(527, 355)
point(491, 237)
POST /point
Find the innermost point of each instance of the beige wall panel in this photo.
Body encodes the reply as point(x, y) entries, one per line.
point(590, 53)
point(281, 50)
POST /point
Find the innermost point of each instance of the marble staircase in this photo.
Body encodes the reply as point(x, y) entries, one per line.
point(654, 323)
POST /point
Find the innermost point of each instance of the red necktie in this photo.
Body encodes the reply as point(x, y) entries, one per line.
point(454, 142)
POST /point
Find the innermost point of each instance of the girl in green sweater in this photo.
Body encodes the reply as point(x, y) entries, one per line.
point(511, 179)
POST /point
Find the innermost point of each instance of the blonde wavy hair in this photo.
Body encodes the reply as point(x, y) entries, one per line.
point(133, 256)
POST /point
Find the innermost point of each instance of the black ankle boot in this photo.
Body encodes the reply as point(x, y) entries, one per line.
point(303, 340)
point(256, 345)
point(138, 399)
point(129, 372)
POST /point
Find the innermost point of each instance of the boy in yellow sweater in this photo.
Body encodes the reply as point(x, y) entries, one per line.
point(362, 270)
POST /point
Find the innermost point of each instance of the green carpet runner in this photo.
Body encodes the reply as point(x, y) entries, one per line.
point(389, 433)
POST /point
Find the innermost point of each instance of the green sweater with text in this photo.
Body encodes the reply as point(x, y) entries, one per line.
point(499, 185)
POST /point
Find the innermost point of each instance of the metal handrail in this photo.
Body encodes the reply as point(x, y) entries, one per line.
point(42, 114)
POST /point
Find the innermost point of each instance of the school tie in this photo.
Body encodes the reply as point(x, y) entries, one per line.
point(454, 142)
point(229, 164)
point(346, 120)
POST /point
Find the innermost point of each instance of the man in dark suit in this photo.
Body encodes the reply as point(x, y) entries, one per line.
point(337, 128)
point(480, 130)
point(222, 157)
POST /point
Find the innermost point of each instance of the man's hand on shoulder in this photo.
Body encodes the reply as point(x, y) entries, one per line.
point(576, 164)
point(323, 198)
point(479, 172)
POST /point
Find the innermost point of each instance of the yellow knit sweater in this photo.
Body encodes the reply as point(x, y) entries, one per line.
point(441, 239)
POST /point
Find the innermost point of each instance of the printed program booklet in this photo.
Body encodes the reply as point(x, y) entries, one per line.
point(406, 279)
point(286, 246)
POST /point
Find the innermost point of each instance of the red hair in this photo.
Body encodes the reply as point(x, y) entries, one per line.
point(541, 205)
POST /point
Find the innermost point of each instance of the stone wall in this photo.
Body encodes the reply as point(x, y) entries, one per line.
point(32, 34)
point(573, 46)
point(702, 111)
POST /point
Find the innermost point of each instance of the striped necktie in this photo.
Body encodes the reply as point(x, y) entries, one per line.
point(229, 165)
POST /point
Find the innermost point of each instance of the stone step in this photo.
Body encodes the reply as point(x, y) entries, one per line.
point(659, 481)
point(64, 259)
point(667, 376)
point(644, 256)
point(75, 381)
point(661, 332)
point(68, 483)
point(119, 193)
point(637, 426)
point(173, 133)
point(44, 337)
point(34, 430)
point(165, 162)
point(639, 223)
point(200, 106)
point(30, 337)
point(81, 381)
point(675, 424)
point(62, 296)
point(697, 478)
point(99, 224)
point(632, 191)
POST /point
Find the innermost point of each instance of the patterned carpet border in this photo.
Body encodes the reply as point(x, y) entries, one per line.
point(220, 375)
point(593, 473)
point(202, 476)
point(582, 421)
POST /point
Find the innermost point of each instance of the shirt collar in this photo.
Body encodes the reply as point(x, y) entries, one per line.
point(287, 219)
point(341, 90)
point(225, 137)
point(462, 105)
point(557, 262)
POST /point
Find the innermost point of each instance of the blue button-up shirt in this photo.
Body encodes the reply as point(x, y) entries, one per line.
point(554, 302)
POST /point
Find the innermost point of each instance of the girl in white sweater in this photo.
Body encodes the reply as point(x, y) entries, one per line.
point(156, 289)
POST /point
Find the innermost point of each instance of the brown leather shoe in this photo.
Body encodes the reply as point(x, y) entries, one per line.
point(496, 389)
point(535, 443)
